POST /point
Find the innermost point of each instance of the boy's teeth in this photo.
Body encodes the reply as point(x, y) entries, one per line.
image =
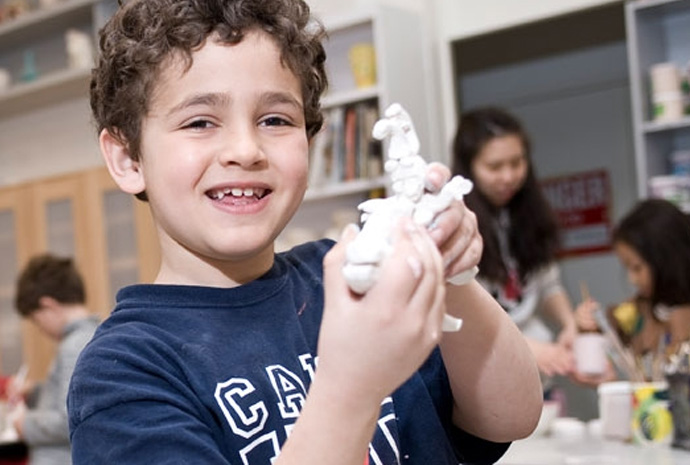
point(236, 192)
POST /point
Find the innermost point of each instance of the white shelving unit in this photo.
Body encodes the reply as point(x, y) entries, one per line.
point(657, 31)
point(398, 38)
point(40, 32)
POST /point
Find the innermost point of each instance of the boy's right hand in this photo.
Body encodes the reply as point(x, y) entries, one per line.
point(370, 344)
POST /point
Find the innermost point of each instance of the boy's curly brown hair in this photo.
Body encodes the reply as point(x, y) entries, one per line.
point(143, 34)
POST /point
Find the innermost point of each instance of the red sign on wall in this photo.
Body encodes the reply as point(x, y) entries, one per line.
point(581, 203)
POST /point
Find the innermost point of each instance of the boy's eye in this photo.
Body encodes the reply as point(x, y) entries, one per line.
point(275, 121)
point(199, 124)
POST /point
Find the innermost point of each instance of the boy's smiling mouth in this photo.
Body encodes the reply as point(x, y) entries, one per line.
point(238, 193)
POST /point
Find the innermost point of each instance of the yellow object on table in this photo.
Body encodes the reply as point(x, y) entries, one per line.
point(652, 422)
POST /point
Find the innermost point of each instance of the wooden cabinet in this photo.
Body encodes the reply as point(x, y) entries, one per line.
point(658, 31)
point(15, 248)
point(81, 215)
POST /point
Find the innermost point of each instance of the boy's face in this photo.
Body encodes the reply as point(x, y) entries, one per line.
point(224, 159)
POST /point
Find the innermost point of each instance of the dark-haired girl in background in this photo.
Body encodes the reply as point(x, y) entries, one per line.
point(520, 234)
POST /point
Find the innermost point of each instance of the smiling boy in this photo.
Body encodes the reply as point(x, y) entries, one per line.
point(205, 108)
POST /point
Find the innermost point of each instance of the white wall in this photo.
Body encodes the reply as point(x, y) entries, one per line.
point(52, 140)
point(455, 19)
point(463, 18)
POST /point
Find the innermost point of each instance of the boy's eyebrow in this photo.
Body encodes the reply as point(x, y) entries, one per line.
point(212, 99)
point(219, 99)
point(281, 97)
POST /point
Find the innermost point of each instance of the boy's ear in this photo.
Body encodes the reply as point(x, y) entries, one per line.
point(126, 172)
point(48, 302)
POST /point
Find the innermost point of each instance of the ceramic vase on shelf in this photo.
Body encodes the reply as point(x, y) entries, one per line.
point(362, 58)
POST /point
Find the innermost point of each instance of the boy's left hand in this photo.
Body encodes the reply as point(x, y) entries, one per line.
point(454, 230)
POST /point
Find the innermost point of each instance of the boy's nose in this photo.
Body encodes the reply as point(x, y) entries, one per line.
point(242, 147)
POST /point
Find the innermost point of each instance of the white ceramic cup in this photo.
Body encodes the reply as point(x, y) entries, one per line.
point(615, 409)
point(590, 353)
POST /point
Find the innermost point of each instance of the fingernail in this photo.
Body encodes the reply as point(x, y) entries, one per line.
point(433, 180)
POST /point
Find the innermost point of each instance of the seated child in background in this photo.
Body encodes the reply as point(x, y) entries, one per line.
point(238, 355)
point(51, 295)
point(652, 243)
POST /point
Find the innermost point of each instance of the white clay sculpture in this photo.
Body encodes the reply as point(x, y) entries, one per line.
point(411, 198)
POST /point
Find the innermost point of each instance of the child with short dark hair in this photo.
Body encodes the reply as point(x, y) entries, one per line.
point(51, 295)
point(239, 355)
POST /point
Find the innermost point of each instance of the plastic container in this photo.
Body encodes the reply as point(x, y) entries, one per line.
point(615, 409)
point(685, 85)
point(669, 107)
point(680, 162)
point(667, 92)
point(675, 189)
point(665, 78)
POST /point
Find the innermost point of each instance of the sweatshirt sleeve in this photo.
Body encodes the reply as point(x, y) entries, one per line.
point(47, 423)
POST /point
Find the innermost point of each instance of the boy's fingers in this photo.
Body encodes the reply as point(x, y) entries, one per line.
point(437, 174)
point(447, 223)
point(428, 296)
point(403, 269)
point(458, 239)
point(334, 260)
point(433, 300)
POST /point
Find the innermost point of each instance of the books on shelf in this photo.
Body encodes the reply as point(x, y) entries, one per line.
point(344, 150)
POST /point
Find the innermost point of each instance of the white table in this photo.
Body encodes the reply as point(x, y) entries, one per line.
point(588, 451)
